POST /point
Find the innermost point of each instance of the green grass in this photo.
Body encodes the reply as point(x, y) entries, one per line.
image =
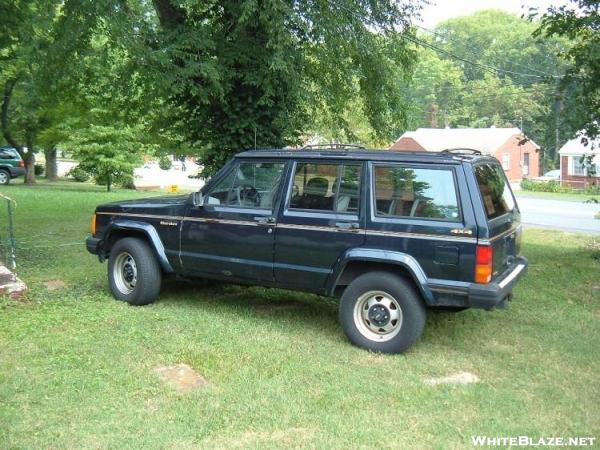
point(76, 367)
point(574, 197)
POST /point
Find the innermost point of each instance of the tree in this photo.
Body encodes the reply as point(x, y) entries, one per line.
point(107, 152)
point(24, 42)
point(579, 22)
point(252, 73)
point(485, 70)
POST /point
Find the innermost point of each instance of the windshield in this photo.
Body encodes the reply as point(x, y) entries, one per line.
point(495, 190)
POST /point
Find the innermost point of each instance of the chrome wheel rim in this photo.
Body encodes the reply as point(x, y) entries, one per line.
point(3, 178)
point(125, 273)
point(378, 316)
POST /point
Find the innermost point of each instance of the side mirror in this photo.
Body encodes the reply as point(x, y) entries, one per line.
point(198, 199)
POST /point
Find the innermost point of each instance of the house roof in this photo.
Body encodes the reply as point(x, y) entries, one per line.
point(575, 147)
point(486, 140)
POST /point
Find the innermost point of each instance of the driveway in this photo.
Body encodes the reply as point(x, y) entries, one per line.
point(559, 214)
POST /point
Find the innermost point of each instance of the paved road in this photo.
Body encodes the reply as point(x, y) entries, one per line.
point(564, 215)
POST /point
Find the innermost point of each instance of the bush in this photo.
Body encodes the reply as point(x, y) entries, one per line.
point(165, 163)
point(78, 174)
point(38, 169)
point(544, 186)
point(125, 180)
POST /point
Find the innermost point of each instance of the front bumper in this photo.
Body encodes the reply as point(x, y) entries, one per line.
point(92, 245)
point(498, 292)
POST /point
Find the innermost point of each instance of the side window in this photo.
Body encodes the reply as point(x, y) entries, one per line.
point(250, 185)
point(6, 154)
point(326, 187)
point(412, 192)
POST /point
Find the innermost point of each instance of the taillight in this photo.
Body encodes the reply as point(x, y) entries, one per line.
point(94, 225)
point(21, 163)
point(483, 264)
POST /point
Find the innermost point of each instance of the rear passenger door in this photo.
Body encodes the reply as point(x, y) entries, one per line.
point(424, 211)
point(321, 217)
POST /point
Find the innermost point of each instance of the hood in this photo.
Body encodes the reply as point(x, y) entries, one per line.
point(170, 202)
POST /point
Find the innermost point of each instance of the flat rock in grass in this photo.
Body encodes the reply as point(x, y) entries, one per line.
point(54, 285)
point(181, 377)
point(461, 378)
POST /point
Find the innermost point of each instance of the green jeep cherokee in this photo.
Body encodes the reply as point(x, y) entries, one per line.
point(11, 165)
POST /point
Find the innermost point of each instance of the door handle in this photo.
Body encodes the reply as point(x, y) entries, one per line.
point(265, 220)
point(346, 225)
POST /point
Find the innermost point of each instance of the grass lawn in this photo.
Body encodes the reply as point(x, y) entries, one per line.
point(557, 196)
point(76, 367)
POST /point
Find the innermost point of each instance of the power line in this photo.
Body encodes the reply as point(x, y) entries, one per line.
point(477, 54)
point(491, 69)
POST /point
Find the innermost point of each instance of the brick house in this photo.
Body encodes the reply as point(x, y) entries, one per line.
point(572, 170)
point(518, 154)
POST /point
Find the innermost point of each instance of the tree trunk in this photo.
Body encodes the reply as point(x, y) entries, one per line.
point(8, 90)
point(51, 169)
point(108, 183)
point(29, 167)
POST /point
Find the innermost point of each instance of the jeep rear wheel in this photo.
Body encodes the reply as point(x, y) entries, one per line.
point(382, 312)
point(4, 177)
point(134, 275)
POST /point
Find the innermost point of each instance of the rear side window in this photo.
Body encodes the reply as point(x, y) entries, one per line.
point(9, 153)
point(414, 192)
point(495, 191)
point(326, 187)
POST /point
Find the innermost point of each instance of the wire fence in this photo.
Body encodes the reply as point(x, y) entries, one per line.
point(8, 247)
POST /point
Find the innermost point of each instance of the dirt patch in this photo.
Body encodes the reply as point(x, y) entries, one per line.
point(457, 378)
point(54, 285)
point(181, 377)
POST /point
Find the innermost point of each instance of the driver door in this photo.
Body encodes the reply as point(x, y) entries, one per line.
point(232, 235)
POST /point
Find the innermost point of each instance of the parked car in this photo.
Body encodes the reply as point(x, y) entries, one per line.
point(11, 165)
point(552, 175)
point(389, 233)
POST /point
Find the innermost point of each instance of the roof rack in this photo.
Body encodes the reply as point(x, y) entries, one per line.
point(462, 151)
point(333, 146)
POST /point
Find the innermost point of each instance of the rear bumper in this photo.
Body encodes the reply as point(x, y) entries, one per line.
point(498, 292)
point(485, 296)
point(17, 172)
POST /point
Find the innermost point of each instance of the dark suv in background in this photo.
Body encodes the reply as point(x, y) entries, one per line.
point(11, 165)
point(390, 233)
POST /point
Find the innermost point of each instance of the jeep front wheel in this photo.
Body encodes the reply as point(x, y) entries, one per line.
point(382, 312)
point(134, 275)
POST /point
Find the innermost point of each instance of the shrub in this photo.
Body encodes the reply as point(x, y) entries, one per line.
point(165, 163)
point(38, 169)
point(78, 174)
point(544, 186)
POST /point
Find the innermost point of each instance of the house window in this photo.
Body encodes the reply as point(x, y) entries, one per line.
point(526, 164)
point(577, 166)
point(506, 161)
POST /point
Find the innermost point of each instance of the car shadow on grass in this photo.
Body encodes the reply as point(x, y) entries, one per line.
point(309, 311)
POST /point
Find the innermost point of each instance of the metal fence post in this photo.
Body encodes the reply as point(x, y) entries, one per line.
point(12, 260)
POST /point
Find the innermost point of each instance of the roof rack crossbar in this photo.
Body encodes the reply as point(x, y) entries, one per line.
point(332, 146)
point(468, 151)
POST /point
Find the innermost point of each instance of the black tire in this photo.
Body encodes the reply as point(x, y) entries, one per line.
point(4, 177)
point(138, 284)
point(379, 296)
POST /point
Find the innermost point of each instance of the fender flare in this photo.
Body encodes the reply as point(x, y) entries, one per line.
point(147, 230)
point(385, 257)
